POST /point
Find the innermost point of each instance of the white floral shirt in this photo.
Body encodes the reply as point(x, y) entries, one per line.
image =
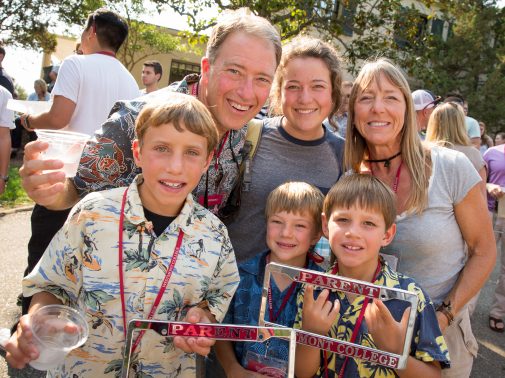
point(80, 267)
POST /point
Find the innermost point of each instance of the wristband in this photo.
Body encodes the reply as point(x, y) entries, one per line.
point(25, 122)
point(446, 309)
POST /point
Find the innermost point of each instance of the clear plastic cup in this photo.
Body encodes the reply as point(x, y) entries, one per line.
point(57, 330)
point(66, 146)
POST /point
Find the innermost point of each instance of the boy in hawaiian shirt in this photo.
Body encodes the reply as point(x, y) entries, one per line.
point(293, 213)
point(81, 267)
point(358, 219)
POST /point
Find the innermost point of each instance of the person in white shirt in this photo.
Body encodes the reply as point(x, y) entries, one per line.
point(88, 85)
point(151, 75)
point(6, 124)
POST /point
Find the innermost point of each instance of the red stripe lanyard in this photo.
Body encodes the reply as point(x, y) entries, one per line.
point(194, 89)
point(285, 300)
point(121, 277)
point(357, 326)
point(397, 177)
point(217, 153)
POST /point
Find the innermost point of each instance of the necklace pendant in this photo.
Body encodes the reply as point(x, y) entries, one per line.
point(387, 163)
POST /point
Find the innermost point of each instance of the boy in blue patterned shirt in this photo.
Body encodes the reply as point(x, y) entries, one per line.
point(358, 219)
point(293, 213)
point(165, 237)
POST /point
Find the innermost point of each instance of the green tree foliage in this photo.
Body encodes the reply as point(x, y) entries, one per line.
point(359, 29)
point(143, 39)
point(471, 60)
point(27, 22)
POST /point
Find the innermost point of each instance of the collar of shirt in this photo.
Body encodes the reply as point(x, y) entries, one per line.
point(134, 211)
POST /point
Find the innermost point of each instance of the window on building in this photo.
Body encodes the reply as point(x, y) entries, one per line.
point(179, 69)
point(346, 11)
point(405, 18)
point(437, 27)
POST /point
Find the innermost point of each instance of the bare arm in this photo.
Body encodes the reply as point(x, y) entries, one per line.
point(475, 224)
point(475, 142)
point(5, 153)
point(416, 368)
point(57, 117)
point(483, 176)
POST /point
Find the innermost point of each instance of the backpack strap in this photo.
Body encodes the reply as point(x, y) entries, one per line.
point(253, 136)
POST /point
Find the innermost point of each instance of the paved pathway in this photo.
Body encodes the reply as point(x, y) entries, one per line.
point(14, 235)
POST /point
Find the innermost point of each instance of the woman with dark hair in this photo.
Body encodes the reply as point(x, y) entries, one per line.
point(294, 145)
point(485, 140)
point(444, 238)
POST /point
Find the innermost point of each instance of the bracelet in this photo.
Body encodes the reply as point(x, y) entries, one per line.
point(25, 122)
point(446, 309)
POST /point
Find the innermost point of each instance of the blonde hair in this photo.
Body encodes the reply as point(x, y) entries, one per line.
point(242, 20)
point(307, 47)
point(183, 112)
point(296, 197)
point(415, 157)
point(41, 84)
point(363, 191)
point(447, 126)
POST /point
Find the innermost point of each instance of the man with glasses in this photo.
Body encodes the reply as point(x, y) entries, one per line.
point(424, 104)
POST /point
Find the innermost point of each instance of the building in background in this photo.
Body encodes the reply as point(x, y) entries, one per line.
point(176, 64)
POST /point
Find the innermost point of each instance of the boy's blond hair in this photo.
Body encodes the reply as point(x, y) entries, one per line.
point(296, 197)
point(183, 112)
point(363, 191)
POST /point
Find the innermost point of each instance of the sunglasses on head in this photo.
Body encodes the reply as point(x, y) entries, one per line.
point(434, 103)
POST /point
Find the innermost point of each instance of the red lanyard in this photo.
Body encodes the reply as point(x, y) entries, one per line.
point(397, 177)
point(285, 300)
point(108, 53)
point(218, 153)
point(121, 278)
point(357, 326)
point(194, 89)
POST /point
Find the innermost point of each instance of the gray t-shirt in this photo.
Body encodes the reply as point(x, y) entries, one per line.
point(280, 158)
point(429, 246)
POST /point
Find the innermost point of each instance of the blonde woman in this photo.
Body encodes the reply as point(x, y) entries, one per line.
point(41, 93)
point(446, 127)
point(439, 201)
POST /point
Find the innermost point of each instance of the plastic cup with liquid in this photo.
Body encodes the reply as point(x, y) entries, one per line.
point(66, 146)
point(57, 330)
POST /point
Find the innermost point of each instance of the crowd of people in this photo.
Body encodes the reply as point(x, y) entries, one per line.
point(182, 198)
